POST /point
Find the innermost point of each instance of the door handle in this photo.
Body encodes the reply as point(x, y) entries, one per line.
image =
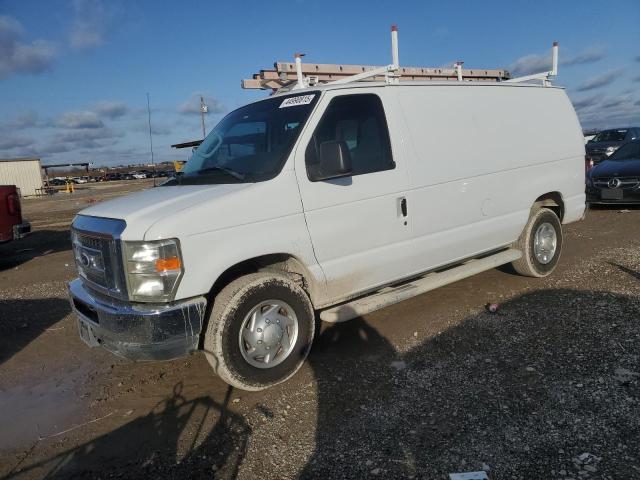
point(403, 206)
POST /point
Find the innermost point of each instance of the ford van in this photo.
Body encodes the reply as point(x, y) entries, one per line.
point(326, 203)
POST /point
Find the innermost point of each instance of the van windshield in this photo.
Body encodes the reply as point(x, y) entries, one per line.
point(250, 144)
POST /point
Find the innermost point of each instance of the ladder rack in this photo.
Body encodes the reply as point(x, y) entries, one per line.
point(296, 75)
point(284, 74)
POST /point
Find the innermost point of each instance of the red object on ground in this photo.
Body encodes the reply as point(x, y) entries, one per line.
point(11, 224)
point(493, 307)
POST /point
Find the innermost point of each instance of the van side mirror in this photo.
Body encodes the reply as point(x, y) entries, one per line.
point(335, 161)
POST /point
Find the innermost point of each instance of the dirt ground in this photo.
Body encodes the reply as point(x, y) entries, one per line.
point(547, 387)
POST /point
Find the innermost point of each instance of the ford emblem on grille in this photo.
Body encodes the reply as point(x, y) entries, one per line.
point(85, 260)
point(614, 183)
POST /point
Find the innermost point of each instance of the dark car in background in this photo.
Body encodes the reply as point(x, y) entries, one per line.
point(111, 177)
point(606, 142)
point(616, 179)
point(12, 226)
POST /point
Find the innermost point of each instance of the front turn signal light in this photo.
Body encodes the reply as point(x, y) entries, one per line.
point(165, 264)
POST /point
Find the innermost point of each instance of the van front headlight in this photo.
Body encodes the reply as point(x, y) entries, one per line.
point(153, 270)
point(611, 150)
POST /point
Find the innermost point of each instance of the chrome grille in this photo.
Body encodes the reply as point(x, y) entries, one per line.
point(98, 254)
point(610, 182)
point(92, 255)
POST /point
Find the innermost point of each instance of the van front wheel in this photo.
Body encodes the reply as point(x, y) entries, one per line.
point(540, 244)
point(260, 331)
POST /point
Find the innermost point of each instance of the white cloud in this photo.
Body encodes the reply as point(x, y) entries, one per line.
point(192, 105)
point(14, 141)
point(590, 55)
point(85, 134)
point(587, 102)
point(600, 80)
point(620, 100)
point(536, 63)
point(53, 148)
point(611, 112)
point(28, 119)
point(84, 119)
point(111, 109)
point(17, 56)
point(91, 23)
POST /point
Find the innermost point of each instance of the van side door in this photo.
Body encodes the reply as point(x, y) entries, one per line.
point(359, 221)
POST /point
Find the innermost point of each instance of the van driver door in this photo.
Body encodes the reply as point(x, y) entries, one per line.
point(359, 222)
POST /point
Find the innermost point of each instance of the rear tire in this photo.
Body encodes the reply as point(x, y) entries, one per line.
point(245, 342)
point(540, 244)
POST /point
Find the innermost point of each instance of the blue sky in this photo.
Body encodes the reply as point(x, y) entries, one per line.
point(74, 73)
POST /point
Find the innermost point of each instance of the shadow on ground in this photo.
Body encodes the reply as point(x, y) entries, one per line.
point(149, 446)
point(36, 244)
point(21, 321)
point(634, 273)
point(607, 206)
point(521, 392)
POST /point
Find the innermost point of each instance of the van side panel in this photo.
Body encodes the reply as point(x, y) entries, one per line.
point(479, 156)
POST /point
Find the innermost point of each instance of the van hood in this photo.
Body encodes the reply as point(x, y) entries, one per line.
point(143, 209)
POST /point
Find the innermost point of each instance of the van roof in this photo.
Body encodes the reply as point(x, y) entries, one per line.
point(409, 83)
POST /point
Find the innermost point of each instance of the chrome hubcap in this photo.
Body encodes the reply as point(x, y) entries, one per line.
point(268, 334)
point(545, 243)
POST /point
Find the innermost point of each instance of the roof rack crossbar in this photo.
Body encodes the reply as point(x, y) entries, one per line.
point(544, 77)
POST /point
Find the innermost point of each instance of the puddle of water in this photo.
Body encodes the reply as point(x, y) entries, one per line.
point(28, 412)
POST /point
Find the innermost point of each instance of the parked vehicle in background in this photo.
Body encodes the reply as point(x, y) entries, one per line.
point(589, 134)
point(605, 142)
point(79, 180)
point(616, 180)
point(138, 175)
point(113, 176)
point(12, 226)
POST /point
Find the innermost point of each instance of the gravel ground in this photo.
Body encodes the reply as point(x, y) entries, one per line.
point(547, 387)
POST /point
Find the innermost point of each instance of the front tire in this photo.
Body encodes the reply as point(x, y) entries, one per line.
point(540, 244)
point(260, 331)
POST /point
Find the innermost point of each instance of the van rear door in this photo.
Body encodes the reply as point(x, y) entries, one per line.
point(359, 223)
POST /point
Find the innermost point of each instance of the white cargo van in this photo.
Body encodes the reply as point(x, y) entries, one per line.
point(327, 202)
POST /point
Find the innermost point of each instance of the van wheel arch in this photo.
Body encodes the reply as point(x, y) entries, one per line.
point(281, 263)
point(551, 200)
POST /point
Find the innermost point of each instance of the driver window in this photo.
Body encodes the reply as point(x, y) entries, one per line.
point(360, 122)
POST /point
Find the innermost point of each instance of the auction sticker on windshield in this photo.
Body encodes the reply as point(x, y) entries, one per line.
point(295, 101)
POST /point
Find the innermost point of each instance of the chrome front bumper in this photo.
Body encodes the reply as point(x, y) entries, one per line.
point(138, 331)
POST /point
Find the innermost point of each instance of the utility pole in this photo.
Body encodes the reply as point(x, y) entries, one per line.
point(203, 109)
point(153, 163)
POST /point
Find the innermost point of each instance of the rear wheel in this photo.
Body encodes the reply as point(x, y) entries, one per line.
point(540, 244)
point(260, 331)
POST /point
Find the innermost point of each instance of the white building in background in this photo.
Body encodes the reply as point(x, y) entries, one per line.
point(24, 173)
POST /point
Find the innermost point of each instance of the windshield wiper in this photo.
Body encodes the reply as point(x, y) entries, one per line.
point(228, 171)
